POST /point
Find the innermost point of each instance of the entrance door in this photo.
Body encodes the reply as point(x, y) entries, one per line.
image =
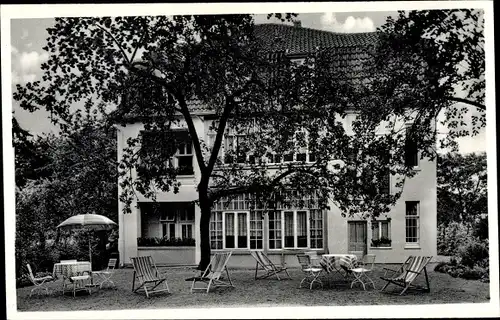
point(357, 236)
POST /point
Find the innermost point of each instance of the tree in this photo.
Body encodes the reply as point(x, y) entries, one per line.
point(433, 61)
point(81, 177)
point(29, 156)
point(154, 67)
point(462, 188)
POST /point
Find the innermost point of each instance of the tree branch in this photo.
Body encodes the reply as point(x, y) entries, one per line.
point(116, 42)
point(479, 106)
point(192, 131)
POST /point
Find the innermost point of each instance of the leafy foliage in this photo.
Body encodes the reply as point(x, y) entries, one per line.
point(79, 177)
point(462, 188)
point(431, 60)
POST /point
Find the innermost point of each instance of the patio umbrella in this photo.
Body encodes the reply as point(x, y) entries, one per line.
point(89, 222)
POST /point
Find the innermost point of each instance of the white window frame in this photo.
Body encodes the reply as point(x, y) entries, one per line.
point(417, 222)
point(308, 233)
point(178, 155)
point(177, 222)
point(236, 229)
point(379, 225)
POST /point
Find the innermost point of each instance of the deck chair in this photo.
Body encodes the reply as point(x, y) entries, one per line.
point(406, 274)
point(40, 283)
point(107, 273)
point(211, 277)
point(265, 264)
point(147, 275)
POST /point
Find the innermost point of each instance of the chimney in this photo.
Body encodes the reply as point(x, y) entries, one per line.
point(297, 23)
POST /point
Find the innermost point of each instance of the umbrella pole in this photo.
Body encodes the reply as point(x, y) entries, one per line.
point(90, 253)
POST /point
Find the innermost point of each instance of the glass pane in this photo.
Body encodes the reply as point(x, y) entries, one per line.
point(289, 229)
point(385, 229)
point(242, 230)
point(229, 230)
point(172, 230)
point(375, 231)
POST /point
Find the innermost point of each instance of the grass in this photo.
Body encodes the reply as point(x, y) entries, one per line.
point(249, 292)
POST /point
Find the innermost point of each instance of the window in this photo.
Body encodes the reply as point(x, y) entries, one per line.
point(316, 229)
point(302, 153)
point(168, 220)
point(235, 145)
point(296, 224)
point(411, 152)
point(216, 230)
point(295, 229)
point(242, 230)
point(381, 233)
point(385, 182)
point(412, 222)
point(174, 148)
point(256, 230)
point(185, 158)
point(275, 230)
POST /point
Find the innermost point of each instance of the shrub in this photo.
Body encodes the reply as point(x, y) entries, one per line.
point(450, 237)
point(440, 267)
point(473, 252)
point(475, 273)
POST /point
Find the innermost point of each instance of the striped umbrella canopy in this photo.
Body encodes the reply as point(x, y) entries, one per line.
point(89, 221)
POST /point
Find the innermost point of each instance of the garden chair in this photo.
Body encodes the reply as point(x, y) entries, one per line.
point(407, 273)
point(313, 258)
point(362, 270)
point(312, 273)
point(212, 274)
point(147, 275)
point(264, 263)
point(39, 283)
point(107, 274)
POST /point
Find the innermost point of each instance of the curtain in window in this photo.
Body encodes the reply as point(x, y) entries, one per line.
point(289, 232)
point(242, 230)
point(229, 230)
point(301, 229)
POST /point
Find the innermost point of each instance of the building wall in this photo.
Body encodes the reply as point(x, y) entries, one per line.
point(420, 188)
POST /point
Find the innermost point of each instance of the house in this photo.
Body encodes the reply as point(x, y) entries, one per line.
point(409, 229)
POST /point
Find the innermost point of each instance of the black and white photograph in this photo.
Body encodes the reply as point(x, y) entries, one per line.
point(250, 160)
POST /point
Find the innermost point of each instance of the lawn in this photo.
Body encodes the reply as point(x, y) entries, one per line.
point(249, 292)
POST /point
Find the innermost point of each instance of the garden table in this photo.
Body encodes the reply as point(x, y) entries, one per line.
point(338, 262)
point(70, 270)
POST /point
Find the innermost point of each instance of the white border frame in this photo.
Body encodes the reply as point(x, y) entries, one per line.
point(9, 12)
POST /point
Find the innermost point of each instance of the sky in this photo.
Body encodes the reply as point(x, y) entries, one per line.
point(28, 37)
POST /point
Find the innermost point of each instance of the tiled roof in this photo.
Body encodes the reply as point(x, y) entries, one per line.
point(348, 50)
point(300, 41)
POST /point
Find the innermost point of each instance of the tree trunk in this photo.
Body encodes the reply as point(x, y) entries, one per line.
point(206, 210)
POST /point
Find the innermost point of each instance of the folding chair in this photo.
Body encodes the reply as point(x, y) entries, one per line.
point(313, 258)
point(264, 263)
point(312, 273)
point(106, 274)
point(362, 270)
point(407, 273)
point(40, 283)
point(146, 273)
point(212, 274)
